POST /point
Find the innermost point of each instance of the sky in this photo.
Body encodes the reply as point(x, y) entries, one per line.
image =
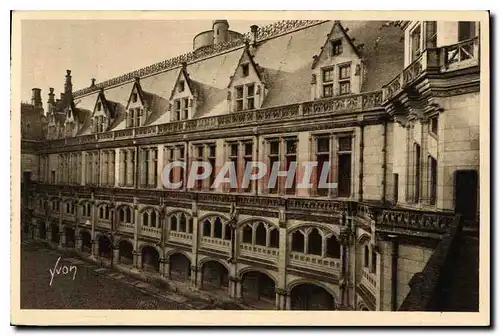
point(101, 49)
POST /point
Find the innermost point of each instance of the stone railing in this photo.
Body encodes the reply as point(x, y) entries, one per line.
point(369, 280)
point(448, 58)
point(257, 250)
point(181, 236)
point(415, 220)
point(151, 232)
point(425, 286)
point(314, 261)
point(263, 33)
point(126, 227)
point(339, 104)
point(215, 242)
point(104, 224)
point(460, 55)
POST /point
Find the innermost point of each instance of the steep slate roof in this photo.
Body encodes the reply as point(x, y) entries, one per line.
point(284, 62)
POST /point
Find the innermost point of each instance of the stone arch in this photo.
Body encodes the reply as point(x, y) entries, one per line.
point(177, 251)
point(151, 256)
point(156, 247)
point(223, 217)
point(86, 238)
point(248, 269)
point(176, 211)
point(216, 228)
point(70, 234)
point(179, 265)
point(176, 223)
point(42, 229)
point(254, 227)
point(125, 213)
point(256, 219)
point(311, 295)
point(104, 245)
point(322, 227)
point(361, 306)
point(258, 288)
point(153, 217)
point(214, 274)
point(54, 230)
point(125, 251)
point(363, 238)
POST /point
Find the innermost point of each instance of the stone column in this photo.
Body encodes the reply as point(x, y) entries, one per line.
point(196, 233)
point(333, 192)
point(166, 268)
point(95, 248)
point(283, 250)
point(288, 301)
point(78, 240)
point(196, 277)
point(48, 231)
point(143, 173)
point(130, 167)
point(116, 254)
point(151, 167)
point(121, 168)
point(238, 289)
point(62, 236)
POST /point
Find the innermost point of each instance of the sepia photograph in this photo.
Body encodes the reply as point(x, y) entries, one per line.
point(239, 166)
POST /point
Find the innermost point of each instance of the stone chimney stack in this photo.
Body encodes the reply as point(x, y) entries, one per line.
point(36, 98)
point(62, 96)
point(253, 36)
point(68, 87)
point(51, 101)
point(92, 82)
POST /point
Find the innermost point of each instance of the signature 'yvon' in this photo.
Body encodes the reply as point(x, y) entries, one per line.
point(62, 269)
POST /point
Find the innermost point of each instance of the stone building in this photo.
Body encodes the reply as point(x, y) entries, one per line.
point(393, 107)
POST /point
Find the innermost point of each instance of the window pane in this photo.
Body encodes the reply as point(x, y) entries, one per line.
point(239, 92)
point(345, 143)
point(274, 147)
point(250, 104)
point(239, 105)
point(248, 148)
point(323, 145)
point(250, 90)
point(291, 146)
point(328, 90)
point(327, 75)
point(345, 88)
point(345, 72)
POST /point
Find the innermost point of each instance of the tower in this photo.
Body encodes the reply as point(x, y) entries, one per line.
point(221, 29)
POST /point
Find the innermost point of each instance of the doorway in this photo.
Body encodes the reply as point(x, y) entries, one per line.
point(466, 193)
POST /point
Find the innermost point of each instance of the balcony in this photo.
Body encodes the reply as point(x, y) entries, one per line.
point(368, 279)
point(126, 227)
point(257, 251)
point(215, 243)
point(152, 232)
point(181, 237)
point(106, 224)
point(315, 262)
point(449, 58)
point(320, 107)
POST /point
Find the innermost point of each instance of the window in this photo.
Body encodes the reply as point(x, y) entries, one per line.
point(415, 46)
point(323, 159)
point(211, 160)
point(233, 158)
point(336, 47)
point(134, 97)
point(433, 125)
point(417, 172)
point(131, 117)
point(290, 157)
point(396, 188)
point(181, 86)
point(177, 110)
point(247, 157)
point(138, 113)
point(344, 166)
point(430, 34)
point(374, 261)
point(327, 83)
point(345, 79)
point(433, 180)
point(239, 98)
point(185, 108)
point(175, 153)
point(250, 96)
point(466, 30)
point(273, 156)
point(199, 156)
point(366, 259)
point(245, 70)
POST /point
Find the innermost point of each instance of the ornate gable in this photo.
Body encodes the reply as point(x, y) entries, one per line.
point(184, 99)
point(103, 114)
point(246, 88)
point(337, 69)
point(139, 106)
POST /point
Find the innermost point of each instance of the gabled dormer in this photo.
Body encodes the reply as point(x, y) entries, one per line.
point(74, 119)
point(246, 89)
point(139, 106)
point(183, 98)
point(103, 115)
point(337, 69)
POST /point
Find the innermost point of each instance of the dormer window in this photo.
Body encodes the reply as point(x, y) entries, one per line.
point(336, 47)
point(345, 79)
point(239, 98)
point(327, 83)
point(245, 70)
point(177, 109)
point(181, 86)
point(134, 97)
point(181, 109)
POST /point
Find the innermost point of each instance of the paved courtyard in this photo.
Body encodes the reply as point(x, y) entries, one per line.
point(90, 288)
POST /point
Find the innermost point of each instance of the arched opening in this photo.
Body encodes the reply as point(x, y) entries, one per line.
point(258, 290)
point(247, 234)
point(274, 238)
point(145, 219)
point(180, 267)
point(333, 247)
point(150, 259)
point(154, 220)
point(207, 227)
point(260, 234)
point(126, 252)
point(311, 297)
point(86, 241)
point(315, 242)
point(42, 230)
point(182, 223)
point(218, 228)
point(70, 237)
point(214, 276)
point(366, 257)
point(54, 228)
point(298, 241)
point(190, 225)
point(173, 223)
point(104, 247)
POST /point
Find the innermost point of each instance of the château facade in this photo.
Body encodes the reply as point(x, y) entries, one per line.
point(393, 106)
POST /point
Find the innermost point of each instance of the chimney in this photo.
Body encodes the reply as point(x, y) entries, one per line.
point(36, 98)
point(253, 36)
point(68, 87)
point(51, 101)
point(92, 82)
point(62, 96)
